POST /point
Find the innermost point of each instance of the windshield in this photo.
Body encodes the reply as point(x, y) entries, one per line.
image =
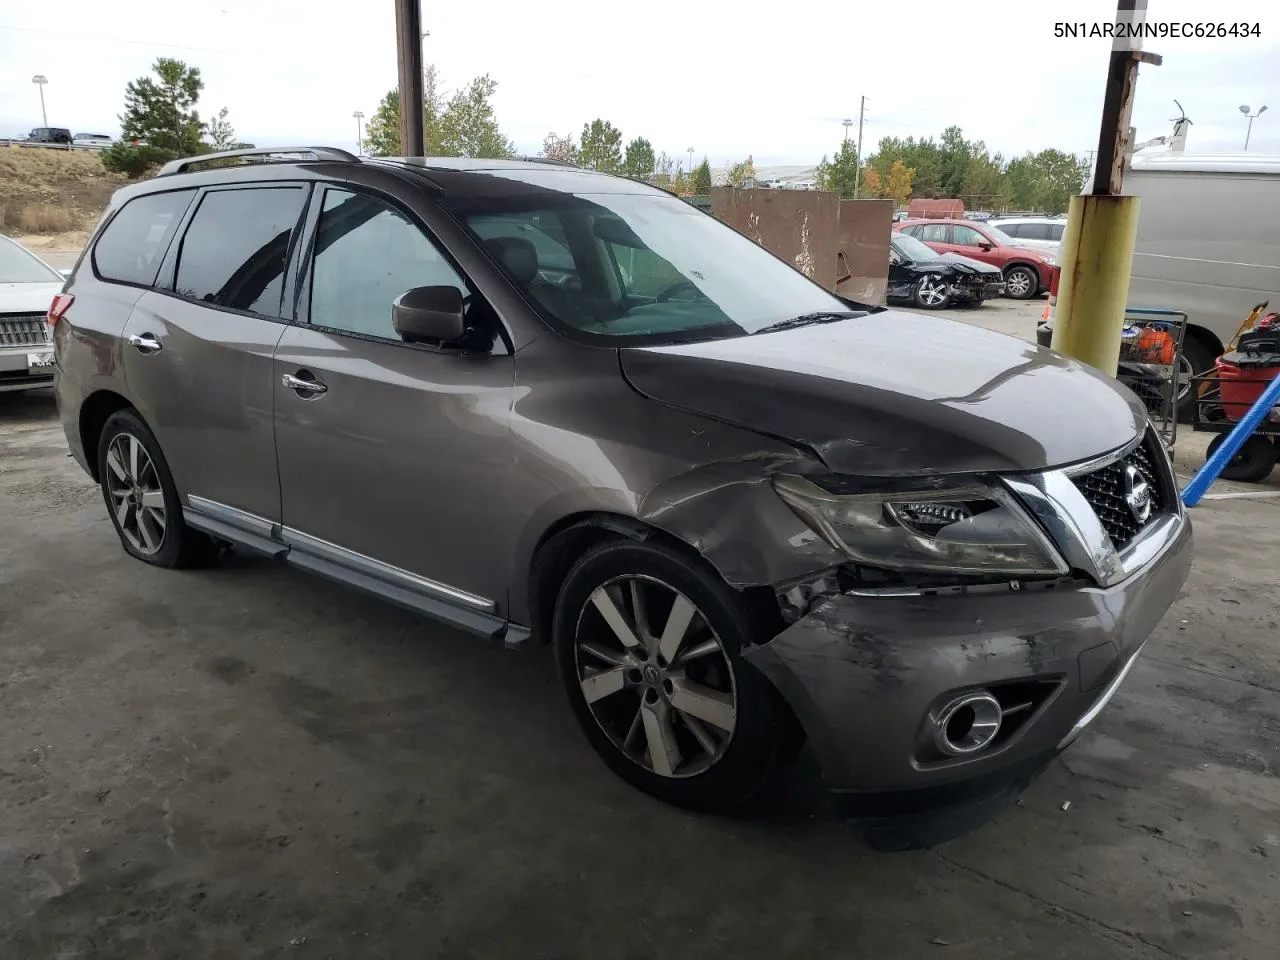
point(1000, 237)
point(19, 266)
point(913, 249)
point(638, 268)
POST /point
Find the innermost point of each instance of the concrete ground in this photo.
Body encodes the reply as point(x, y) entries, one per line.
point(247, 762)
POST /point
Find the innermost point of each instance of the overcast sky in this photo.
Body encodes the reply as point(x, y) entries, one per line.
point(720, 78)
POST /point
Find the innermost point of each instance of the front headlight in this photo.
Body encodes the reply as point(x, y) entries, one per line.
point(1051, 261)
point(974, 528)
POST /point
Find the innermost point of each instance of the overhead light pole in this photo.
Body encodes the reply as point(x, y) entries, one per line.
point(690, 149)
point(40, 80)
point(1251, 117)
point(359, 115)
point(857, 164)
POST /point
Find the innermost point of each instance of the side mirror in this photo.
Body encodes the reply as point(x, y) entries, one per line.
point(984, 245)
point(429, 314)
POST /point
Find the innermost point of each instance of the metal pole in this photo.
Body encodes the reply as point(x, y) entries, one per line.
point(44, 117)
point(1248, 130)
point(1241, 432)
point(359, 115)
point(857, 165)
point(409, 68)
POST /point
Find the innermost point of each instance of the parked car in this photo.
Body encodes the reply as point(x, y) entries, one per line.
point(49, 135)
point(1206, 246)
point(1038, 233)
point(1027, 273)
point(928, 279)
point(741, 509)
point(27, 285)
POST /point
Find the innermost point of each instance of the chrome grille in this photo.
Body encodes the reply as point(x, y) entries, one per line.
point(1105, 491)
point(23, 330)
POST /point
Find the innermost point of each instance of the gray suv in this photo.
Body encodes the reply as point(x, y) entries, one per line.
point(548, 405)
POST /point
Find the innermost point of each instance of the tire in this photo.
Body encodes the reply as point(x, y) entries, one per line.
point(1252, 463)
point(152, 528)
point(711, 768)
point(931, 293)
point(1196, 359)
point(1021, 282)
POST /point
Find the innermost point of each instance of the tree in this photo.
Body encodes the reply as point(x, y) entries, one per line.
point(840, 174)
point(382, 132)
point(468, 127)
point(897, 184)
point(681, 183)
point(1045, 181)
point(663, 168)
point(556, 147)
point(600, 146)
point(702, 179)
point(220, 133)
point(955, 152)
point(871, 186)
point(161, 114)
point(742, 174)
point(639, 161)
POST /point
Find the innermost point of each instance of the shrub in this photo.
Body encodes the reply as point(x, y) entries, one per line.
point(134, 161)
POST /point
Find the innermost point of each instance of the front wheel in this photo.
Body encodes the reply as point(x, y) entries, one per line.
point(931, 293)
point(1021, 283)
point(1252, 463)
point(649, 648)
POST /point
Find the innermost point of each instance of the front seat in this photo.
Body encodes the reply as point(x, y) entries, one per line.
point(520, 258)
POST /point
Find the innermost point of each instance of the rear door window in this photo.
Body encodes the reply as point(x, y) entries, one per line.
point(233, 253)
point(134, 243)
point(935, 233)
point(966, 236)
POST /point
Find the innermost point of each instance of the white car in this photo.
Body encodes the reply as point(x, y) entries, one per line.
point(27, 287)
point(1037, 233)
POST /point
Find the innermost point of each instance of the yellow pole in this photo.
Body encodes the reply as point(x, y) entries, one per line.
point(1096, 263)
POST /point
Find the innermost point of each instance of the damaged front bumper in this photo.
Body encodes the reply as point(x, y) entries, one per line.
point(867, 672)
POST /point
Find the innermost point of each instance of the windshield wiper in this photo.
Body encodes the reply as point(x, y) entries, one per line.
point(805, 319)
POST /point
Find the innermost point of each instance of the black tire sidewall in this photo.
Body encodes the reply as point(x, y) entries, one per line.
point(1252, 463)
point(171, 551)
point(760, 736)
point(1032, 289)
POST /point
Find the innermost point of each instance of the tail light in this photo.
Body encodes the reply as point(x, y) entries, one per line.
point(61, 301)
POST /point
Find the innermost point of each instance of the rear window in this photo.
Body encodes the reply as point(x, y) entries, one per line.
point(1012, 229)
point(135, 241)
point(233, 253)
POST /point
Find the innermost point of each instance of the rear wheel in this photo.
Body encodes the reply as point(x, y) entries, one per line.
point(1195, 360)
point(141, 498)
point(1252, 463)
point(648, 645)
point(1021, 283)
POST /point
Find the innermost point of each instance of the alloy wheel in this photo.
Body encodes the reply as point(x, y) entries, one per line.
point(1018, 283)
point(933, 291)
point(137, 499)
point(655, 676)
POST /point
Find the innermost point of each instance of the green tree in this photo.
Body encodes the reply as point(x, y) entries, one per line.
point(702, 179)
point(985, 185)
point(955, 153)
point(382, 132)
point(840, 175)
point(639, 161)
point(897, 183)
point(663, 169)
point(1045, 181)
point(468, 127)
point(556, 147)
point(742, 174)
point(600, 146)
point(220, 133)
point(161, 113)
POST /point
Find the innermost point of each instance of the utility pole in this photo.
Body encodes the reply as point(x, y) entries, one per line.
point(1102, 228)
point(1245, 110)
point(690, 171)
point(857, 166)
point(359, 115)
point(409, 70)
point(41, 80)
point(846, 123)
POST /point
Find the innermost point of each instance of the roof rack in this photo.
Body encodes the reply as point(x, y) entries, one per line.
point(550, 160)
point(314, 153)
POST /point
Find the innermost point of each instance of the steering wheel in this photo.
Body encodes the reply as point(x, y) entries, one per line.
point(670, 292)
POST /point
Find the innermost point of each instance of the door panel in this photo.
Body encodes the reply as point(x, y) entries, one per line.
point(207, 396)
point(966, 241)
point(404, 458)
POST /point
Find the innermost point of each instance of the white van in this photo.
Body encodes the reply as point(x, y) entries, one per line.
point(1208, 242)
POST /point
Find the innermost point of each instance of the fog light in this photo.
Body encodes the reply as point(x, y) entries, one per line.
point(967, 724)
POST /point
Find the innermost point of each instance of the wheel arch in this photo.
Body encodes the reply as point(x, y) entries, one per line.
point(94, 411)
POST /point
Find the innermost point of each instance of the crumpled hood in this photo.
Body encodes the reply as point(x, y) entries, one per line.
point(894, 394)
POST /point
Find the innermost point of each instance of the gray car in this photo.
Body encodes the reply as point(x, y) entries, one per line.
point(546, 405)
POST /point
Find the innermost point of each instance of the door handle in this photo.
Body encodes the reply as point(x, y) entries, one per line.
point(146, 343)
point(300, 386)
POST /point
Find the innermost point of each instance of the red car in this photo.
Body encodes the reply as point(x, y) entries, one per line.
point(1027, 273)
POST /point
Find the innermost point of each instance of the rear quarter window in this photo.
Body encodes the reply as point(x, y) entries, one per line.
point(133, 244)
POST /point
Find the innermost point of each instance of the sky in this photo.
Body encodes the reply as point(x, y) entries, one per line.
point(726, 80)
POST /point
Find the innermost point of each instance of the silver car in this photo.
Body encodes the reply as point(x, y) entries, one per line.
point(27, 287)
point(551, 406)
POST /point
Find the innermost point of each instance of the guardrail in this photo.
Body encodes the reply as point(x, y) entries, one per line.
point(52, 146)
